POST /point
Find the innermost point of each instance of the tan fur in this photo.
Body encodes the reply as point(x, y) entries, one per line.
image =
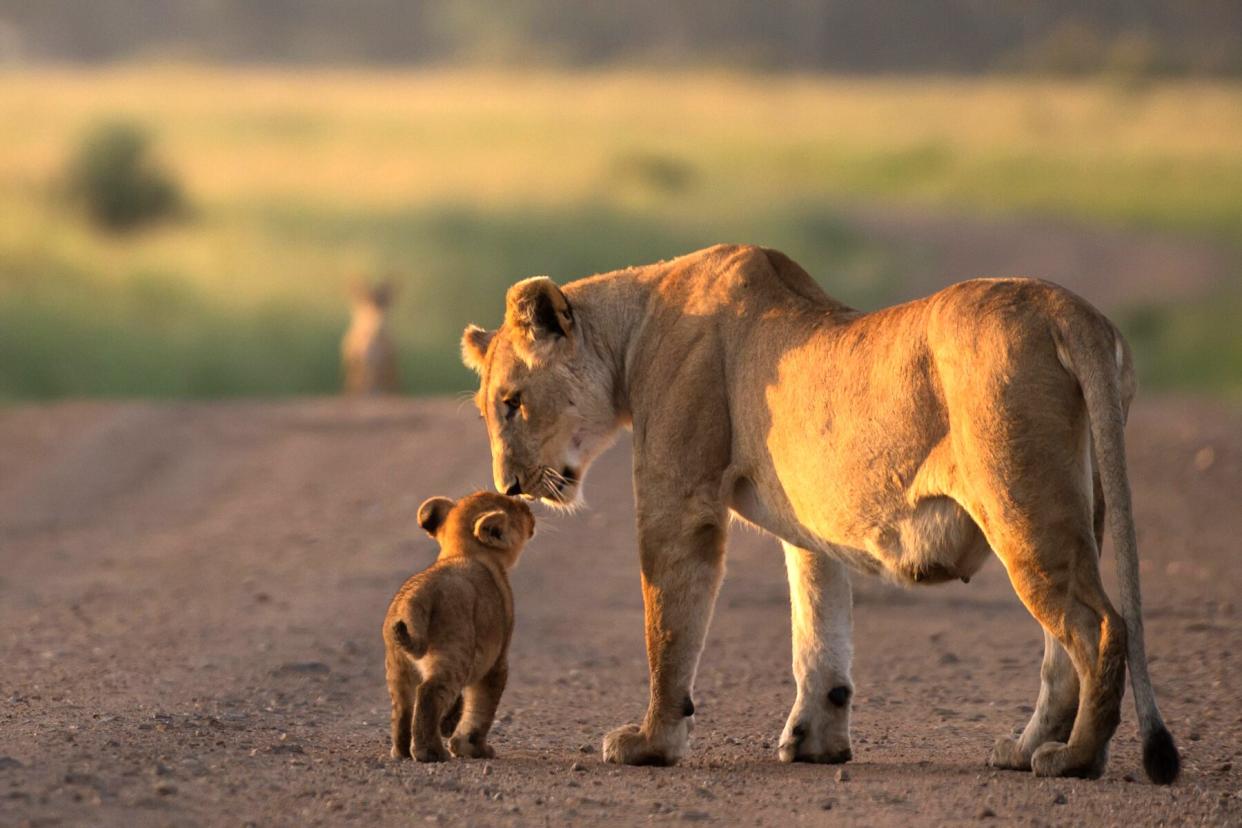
point(447, 631)
point(368, 356)
point(910, 442)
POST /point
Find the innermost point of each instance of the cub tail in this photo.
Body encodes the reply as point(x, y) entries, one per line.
point(410, 629)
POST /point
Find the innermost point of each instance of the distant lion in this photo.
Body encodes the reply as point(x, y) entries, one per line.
point(447, 631)
point(368, 356)
point(913, 442)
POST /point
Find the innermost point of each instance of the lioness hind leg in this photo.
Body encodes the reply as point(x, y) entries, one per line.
point(818, 728)
point(1055, 711)
point(1064, 593)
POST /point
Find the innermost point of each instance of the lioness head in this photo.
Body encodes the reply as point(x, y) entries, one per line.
point(548, 409)
point(479, 523)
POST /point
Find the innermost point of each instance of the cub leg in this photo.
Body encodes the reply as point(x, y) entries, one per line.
point(682, 557)
point(1053, 719)
point(449, 723)
point(818, 729)
point(481, 701)
point(402, 685)
point(433, 700)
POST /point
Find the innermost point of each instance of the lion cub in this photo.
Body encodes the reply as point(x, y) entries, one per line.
point(368, 356)
point(446, 636)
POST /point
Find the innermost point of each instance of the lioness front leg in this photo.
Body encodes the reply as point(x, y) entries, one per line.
point(818, 729)
point(682, 564)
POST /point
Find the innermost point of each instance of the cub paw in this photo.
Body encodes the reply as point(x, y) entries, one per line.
point(1007, 755)
point(629, 745)
point(432, 753)
point(470, 746)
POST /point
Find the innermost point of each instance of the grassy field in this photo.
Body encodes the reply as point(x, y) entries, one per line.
point(460, 183)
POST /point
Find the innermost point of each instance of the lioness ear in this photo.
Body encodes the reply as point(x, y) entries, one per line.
point(538, 309)
point(492, 529)
point(381, 294)
point(432, 513)
point(474, 342)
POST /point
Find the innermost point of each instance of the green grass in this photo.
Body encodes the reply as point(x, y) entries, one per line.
point(67, 332)
point(460, 183)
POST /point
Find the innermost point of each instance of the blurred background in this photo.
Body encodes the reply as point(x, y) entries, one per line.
point(187, 187)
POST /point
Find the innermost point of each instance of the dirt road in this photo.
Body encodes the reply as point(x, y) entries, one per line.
point(191, 596)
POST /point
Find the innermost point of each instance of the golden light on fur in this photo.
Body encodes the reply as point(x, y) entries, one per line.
point(447, 631)
point(913, 442)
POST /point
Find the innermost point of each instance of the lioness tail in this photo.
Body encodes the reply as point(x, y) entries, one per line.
point(1099, 360)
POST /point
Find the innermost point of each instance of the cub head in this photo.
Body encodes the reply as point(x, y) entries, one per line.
point(480, 523)
point(547, 403)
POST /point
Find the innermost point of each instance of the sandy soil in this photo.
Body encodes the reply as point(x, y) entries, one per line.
point(191, 595)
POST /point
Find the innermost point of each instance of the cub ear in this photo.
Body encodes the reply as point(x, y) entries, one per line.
point(474, 342)
point(537, 309)
point(493, 529)
point(433, 512)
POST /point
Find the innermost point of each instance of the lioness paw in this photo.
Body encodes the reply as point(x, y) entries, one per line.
point(1058, 759)
point(628, 745)
point(1007, 754)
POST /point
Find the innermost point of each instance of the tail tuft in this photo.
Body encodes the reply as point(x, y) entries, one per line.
point(416, 647)
point(1160, 758)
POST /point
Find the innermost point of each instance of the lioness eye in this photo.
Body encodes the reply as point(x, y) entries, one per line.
point(512, 403)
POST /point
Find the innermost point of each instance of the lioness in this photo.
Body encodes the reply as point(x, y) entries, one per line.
point(368, 356)
point(446, 635)
point(912, 442)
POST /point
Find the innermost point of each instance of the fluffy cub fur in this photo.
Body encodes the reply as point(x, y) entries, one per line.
point(368, 355)
point(446, 635)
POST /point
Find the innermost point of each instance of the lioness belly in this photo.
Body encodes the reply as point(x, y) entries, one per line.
point(933, 542)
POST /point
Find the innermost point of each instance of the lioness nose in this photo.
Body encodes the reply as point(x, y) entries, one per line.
point(515, 488)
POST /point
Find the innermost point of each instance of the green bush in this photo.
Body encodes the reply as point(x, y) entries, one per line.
point(115, 179)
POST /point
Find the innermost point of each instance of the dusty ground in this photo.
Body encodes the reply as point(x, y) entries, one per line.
point(191, 595)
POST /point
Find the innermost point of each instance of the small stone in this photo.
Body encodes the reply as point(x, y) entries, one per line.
point(1194, 736)
point(585, 748)
point(9, 763)
point(695, 816)
point(1224, 767)
point(826, 805)
point(986, 813)
point(1059, 799)
point(1204, 458)
point(949, 658)
point(843, 775)
point(1127, 777)
point(165, 789)
point(578, 767)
